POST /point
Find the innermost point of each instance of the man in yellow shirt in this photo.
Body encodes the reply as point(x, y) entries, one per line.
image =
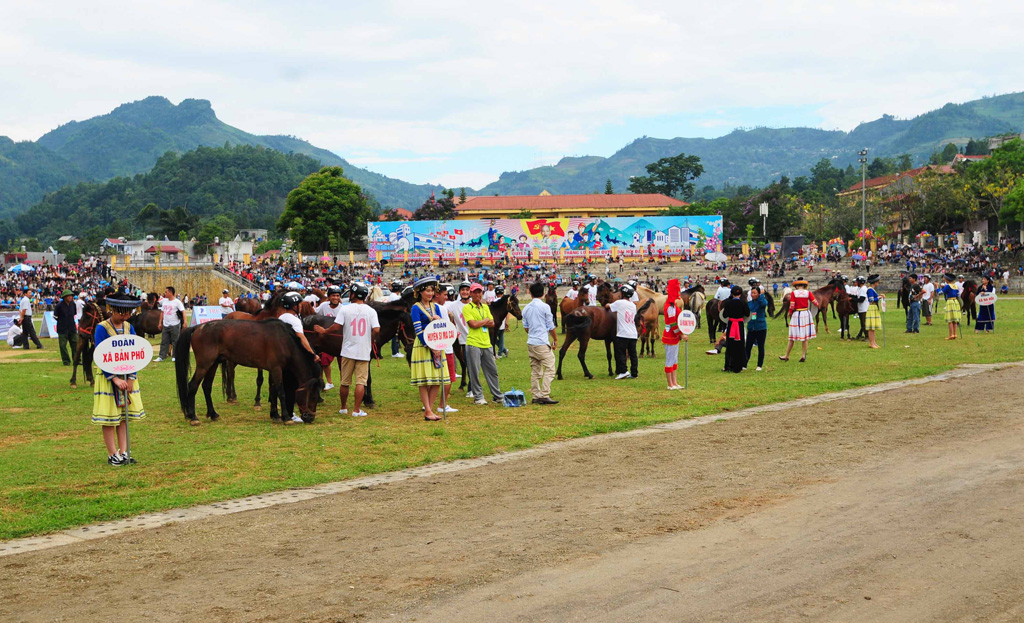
point(478, 346)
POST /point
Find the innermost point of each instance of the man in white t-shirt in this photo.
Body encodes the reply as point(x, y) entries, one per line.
point(927, 298)
point(633, 284)
point(79, 306)
point(625, 334)
point(724, 291)
point(861, 297)
point(14, 335)
point(171, 321)
point(573, 291)
point(227, 304)
point(332, 308)
point(312, 299)
point(360, 328)
point(25, 307)
point(490, 295)
point(592, 291)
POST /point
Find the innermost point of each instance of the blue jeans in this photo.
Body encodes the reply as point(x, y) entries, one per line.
point(914, 316)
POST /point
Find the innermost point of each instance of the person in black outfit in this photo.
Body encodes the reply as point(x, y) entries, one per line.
point(67, 332)
point(735, 313)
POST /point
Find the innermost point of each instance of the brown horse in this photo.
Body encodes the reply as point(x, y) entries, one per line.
point(551, 298)
point(967, 296)
point(649, 319)
point(567, 305)
point(92, 315)
point(267, 345)
point(147, 321)
point(827, 295)
point(586, 323)
point(248, 306)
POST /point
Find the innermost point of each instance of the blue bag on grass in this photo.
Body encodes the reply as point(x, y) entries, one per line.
point(514, 398)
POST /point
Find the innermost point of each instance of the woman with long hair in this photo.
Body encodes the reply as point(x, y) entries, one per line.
point(986, 320)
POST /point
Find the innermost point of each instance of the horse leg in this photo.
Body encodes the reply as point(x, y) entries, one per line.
point(824, 318)
point(259, 390)
point(275, 391)
point(74, 364)
point(608, 354)
point(190, 401)
point(228, 380)
point(582, 356)
point(368, 401)
point(211, 374)
point(561, 351)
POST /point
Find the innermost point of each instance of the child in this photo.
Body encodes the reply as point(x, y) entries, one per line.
point(671, 336)
point(874, 314)
point(953, 307)
point(111, 390)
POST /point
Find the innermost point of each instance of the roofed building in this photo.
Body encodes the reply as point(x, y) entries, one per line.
point(547, 205)
point(889, 193)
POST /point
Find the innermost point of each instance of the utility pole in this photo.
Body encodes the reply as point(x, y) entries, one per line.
point(863, 191)
point(764, 223)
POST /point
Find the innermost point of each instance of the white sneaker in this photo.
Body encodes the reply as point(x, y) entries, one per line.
point(157, 360)
point(398, 356)
point(172, 358)
point(458, 376)
point(360, 413)
point(624, 375)
point(480, 402)
point(17, 347)
point(328, 386)
point(758, 368)
point(450, 409)
point(469, 395)
point(678, 387)
point(711, 352)
point(342, 411)
point(297, 420)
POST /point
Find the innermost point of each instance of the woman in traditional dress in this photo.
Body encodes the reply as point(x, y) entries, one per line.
point(801, 320)
point(953, 307)
point(757, 327)
point(111, 391)
point(735, 313)
point(672, 334)
point(427, 367)
point(986, 313)
point(873, 322)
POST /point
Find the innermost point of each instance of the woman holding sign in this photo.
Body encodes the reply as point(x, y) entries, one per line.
point(672, 334)
point(427, 367)
point(986, 313)
point(111, 391)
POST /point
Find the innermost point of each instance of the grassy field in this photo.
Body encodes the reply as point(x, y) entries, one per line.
point(54, 466)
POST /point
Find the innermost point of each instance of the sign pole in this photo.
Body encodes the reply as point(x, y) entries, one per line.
point(686, 364)
point(127, 436)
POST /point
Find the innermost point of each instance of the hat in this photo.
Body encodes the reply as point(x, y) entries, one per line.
point(423, 282)
point(950, 277)
point(475, 287)
point(800, 281)
point(225, 290)
point(66, 293)
point(873, 278)
point(860, 278)
point(123, 302)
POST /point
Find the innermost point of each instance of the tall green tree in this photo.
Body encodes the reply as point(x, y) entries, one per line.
point(434, 209)
point(608, 190)
point(671, 176)
point(326, 204)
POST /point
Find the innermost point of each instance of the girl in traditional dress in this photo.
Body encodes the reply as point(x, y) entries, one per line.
point(671, 335)
point(801, 321)
point(873, 321)
point(953, 307)
point(427, 368)
point(986, 313)
point(110, 390)
point(735, 313)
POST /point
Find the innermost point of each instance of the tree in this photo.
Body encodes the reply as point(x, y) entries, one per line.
point(992, 179)
point(904, 163)
point(945, 156)
point(462, 195)
point(326, 203)
point(672, 176)
point(521, 214)
point(608, 187)
point(391, 214)
point(176, 220)
point(976, 148)
point(434, 209)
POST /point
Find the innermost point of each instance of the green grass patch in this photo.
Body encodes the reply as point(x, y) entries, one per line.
point(56, 475)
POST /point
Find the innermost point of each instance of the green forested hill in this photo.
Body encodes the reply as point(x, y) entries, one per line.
point(246, 185)
point(131, 138)
point(27, 171)
point(758, 156)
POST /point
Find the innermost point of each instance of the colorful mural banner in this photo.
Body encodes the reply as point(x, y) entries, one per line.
point(545, 239)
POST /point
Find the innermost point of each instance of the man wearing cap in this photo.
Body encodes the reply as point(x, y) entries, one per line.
point(67, 332)
point(25, 307)
point(478, 347)
point(914, 306)
point(360, 326)
point(227, 305)
point(927, 297)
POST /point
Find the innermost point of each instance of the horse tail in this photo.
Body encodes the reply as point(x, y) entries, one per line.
point(576, 325)
point(182, 364)
point(227, 378)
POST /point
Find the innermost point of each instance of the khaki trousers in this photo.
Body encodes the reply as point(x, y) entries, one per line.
point(542, 370)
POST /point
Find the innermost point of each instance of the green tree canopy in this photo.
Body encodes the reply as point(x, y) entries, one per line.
point(325, 205)
point(671, 176)
point(434, 209)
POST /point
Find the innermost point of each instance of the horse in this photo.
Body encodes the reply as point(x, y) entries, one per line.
point(266, 345)
point(649, 323)
point(248, 306)
point(501, 308)
point(92, 315)
point(693, 298)
point(551, 298)
point(903, 296)
point(567, 305)
point(146, 321)
point(591, 322)
point(845, 307)
point(967, 296)
point(824, 295)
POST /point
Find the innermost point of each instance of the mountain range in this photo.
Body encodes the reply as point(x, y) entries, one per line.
point(129, 139)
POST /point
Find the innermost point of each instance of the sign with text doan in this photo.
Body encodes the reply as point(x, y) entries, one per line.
point(123, 354)
point(440, 334)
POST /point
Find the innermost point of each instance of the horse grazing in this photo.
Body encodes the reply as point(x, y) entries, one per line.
point(551, 298)
point(266, 345)
point(586, 323)
point(92, 315)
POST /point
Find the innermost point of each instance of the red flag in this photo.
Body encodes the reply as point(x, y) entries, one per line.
point(535, 227)
point(458, 232)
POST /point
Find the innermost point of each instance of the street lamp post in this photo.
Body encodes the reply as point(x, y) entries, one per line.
point(763, 208)
point(863, 191)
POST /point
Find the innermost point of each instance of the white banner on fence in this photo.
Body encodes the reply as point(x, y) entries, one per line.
point(49, 328)
point(206, 314)
point(7, 319)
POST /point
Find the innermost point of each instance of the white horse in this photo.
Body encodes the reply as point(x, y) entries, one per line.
point(376, 295)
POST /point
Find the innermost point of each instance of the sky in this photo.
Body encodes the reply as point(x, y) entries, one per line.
point(455, 93)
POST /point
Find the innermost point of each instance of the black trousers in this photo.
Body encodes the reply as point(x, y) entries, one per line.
point(626, 346)
point(863, 327)
point(757, 337)
point(29, 329)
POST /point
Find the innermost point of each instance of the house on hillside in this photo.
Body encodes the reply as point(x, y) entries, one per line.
point(115, 245)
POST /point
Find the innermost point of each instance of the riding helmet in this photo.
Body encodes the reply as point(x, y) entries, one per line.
point(451, 291)
point(290, 300)
point(359, 291)
point(725, 283)
point(396, 286)
point(575, 283)
point(465, 284)
point(334, 290)
point(499, 290)
point(753, 281)
point(627, 291)
point(632, 283)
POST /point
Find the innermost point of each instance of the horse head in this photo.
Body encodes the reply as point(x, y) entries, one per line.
point(513, 307)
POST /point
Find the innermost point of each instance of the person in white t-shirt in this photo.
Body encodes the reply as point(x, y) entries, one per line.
point(332, 308)
point(573, 291)
point(170, 323)
point(290, 302)
point(861, 298)
point(14, 335)
point(227, 304)
point(79, 306)
point(489, 294)
point(724, 291)
point(927, 298)
point(633, 284)
point(360, 328)
point(625, 334)
point(312, 299)
point(592, 291)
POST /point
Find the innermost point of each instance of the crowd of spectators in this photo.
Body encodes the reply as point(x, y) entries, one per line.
point(47, 281)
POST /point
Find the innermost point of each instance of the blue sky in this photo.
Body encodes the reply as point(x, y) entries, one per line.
point(455, 92)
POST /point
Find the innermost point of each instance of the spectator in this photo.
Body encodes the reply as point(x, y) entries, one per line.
point(67, 331)
point(478, 347)
point(540, 326)
point(171, 321)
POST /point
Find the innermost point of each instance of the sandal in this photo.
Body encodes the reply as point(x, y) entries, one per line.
point(431, 419)
point(783, 358)
point(803, 359)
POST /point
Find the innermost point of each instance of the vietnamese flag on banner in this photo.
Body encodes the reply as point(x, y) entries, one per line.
point(535, 227)
point(458, 232)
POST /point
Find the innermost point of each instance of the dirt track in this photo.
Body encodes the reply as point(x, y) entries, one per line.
point(883, 508)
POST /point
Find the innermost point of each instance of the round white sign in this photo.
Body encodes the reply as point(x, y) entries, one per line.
point(986, 298)
point(123, 354)
point(440, 334)
point(687, 322)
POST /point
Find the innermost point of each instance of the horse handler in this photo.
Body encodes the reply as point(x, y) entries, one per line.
point(360, 326)
point(540, 325)
point(111, 391)
point(67, 331)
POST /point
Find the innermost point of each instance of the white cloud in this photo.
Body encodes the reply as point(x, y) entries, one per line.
point(438, 79)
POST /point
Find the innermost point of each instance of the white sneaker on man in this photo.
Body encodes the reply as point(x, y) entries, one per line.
point(360, 413)
point(481, 401)
point(624, 375)
point(328, 386)
point(758, 368)
point(295, 420)
point(157, 360)
point(469, 395)
point(397, 356)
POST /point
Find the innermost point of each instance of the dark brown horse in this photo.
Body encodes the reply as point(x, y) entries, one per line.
point(92, 315)
point(266, 345)
point(587, 323)
point(146, 320)
point(567, 305)
point(551, 298)
point(967, 296)
point(248, 306)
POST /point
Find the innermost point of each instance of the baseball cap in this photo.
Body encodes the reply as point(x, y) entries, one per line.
point(475, 287)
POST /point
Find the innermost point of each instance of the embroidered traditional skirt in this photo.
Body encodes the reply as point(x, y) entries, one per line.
point(873, 320)
point(105, 411)
point(801, 326)
point(423, 371)
point(953, 310)
point(986, 318)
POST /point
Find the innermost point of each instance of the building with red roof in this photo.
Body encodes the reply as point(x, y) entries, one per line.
point(547, 205)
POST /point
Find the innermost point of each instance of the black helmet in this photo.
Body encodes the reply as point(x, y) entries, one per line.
point(291, 299)
point(465, 284)
point(499, 290)
point(591, 277)
point(726, 284)
point(575, 283)
point(359, 291)
point(450, 289)
point(396, 286)
point(627, 291)
point(334, 290)
point(633, 283)
point(753, 281)
point(407, 292)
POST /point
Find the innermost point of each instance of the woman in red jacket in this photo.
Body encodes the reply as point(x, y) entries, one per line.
point(801, 320)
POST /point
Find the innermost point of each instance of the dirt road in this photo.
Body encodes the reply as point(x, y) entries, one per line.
point(883, 508)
